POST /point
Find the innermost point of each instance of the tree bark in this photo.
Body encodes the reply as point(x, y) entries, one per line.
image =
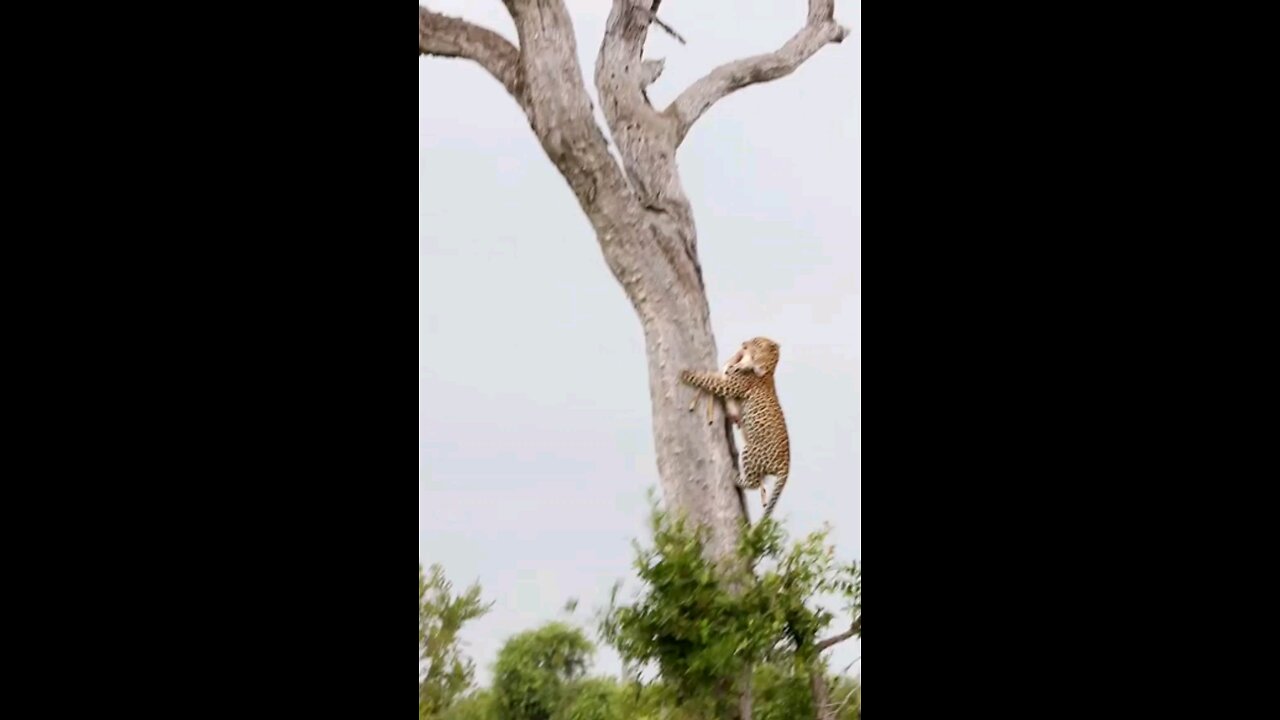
point(641, 216)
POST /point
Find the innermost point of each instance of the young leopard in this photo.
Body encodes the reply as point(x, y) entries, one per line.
point(767, 447)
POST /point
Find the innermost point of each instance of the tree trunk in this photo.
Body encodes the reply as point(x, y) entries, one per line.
point(695, 460)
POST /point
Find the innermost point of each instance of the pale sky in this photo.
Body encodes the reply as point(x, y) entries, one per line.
point(535, 451)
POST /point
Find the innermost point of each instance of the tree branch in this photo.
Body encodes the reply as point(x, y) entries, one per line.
point(820, 30)
point(825, 645)
point(624, 35)
point(650, 71)
point(653, 17)
point(849, 667)
point(444, 36)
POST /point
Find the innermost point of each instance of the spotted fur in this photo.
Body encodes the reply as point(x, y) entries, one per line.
point(733, 411)
point(767, 446)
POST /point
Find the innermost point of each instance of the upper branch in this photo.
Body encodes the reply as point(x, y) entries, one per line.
point(619, 66)
point(446, 36)
point(820, 30)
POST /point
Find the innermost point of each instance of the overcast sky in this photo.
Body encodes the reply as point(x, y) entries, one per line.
point(535, 451)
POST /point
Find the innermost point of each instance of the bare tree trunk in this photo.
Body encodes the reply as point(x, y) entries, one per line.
point(639, 211)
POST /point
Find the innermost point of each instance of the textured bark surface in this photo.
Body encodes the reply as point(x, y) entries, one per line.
point(638, 209)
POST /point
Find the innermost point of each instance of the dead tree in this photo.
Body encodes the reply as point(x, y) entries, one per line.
point(638, 209)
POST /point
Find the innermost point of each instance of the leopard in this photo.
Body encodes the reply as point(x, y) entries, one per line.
point(750, 382)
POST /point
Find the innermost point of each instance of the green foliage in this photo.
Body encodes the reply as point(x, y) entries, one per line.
point(783, 691)
point(851, 588)
point(699, 626)
point(846, 693)
point(702, 628)
point(477, 706)
point(443, 672)
point(537, 670)
point(597, 699)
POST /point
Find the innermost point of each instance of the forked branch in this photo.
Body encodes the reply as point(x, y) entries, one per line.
point(820, 30)
point(451, 37)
